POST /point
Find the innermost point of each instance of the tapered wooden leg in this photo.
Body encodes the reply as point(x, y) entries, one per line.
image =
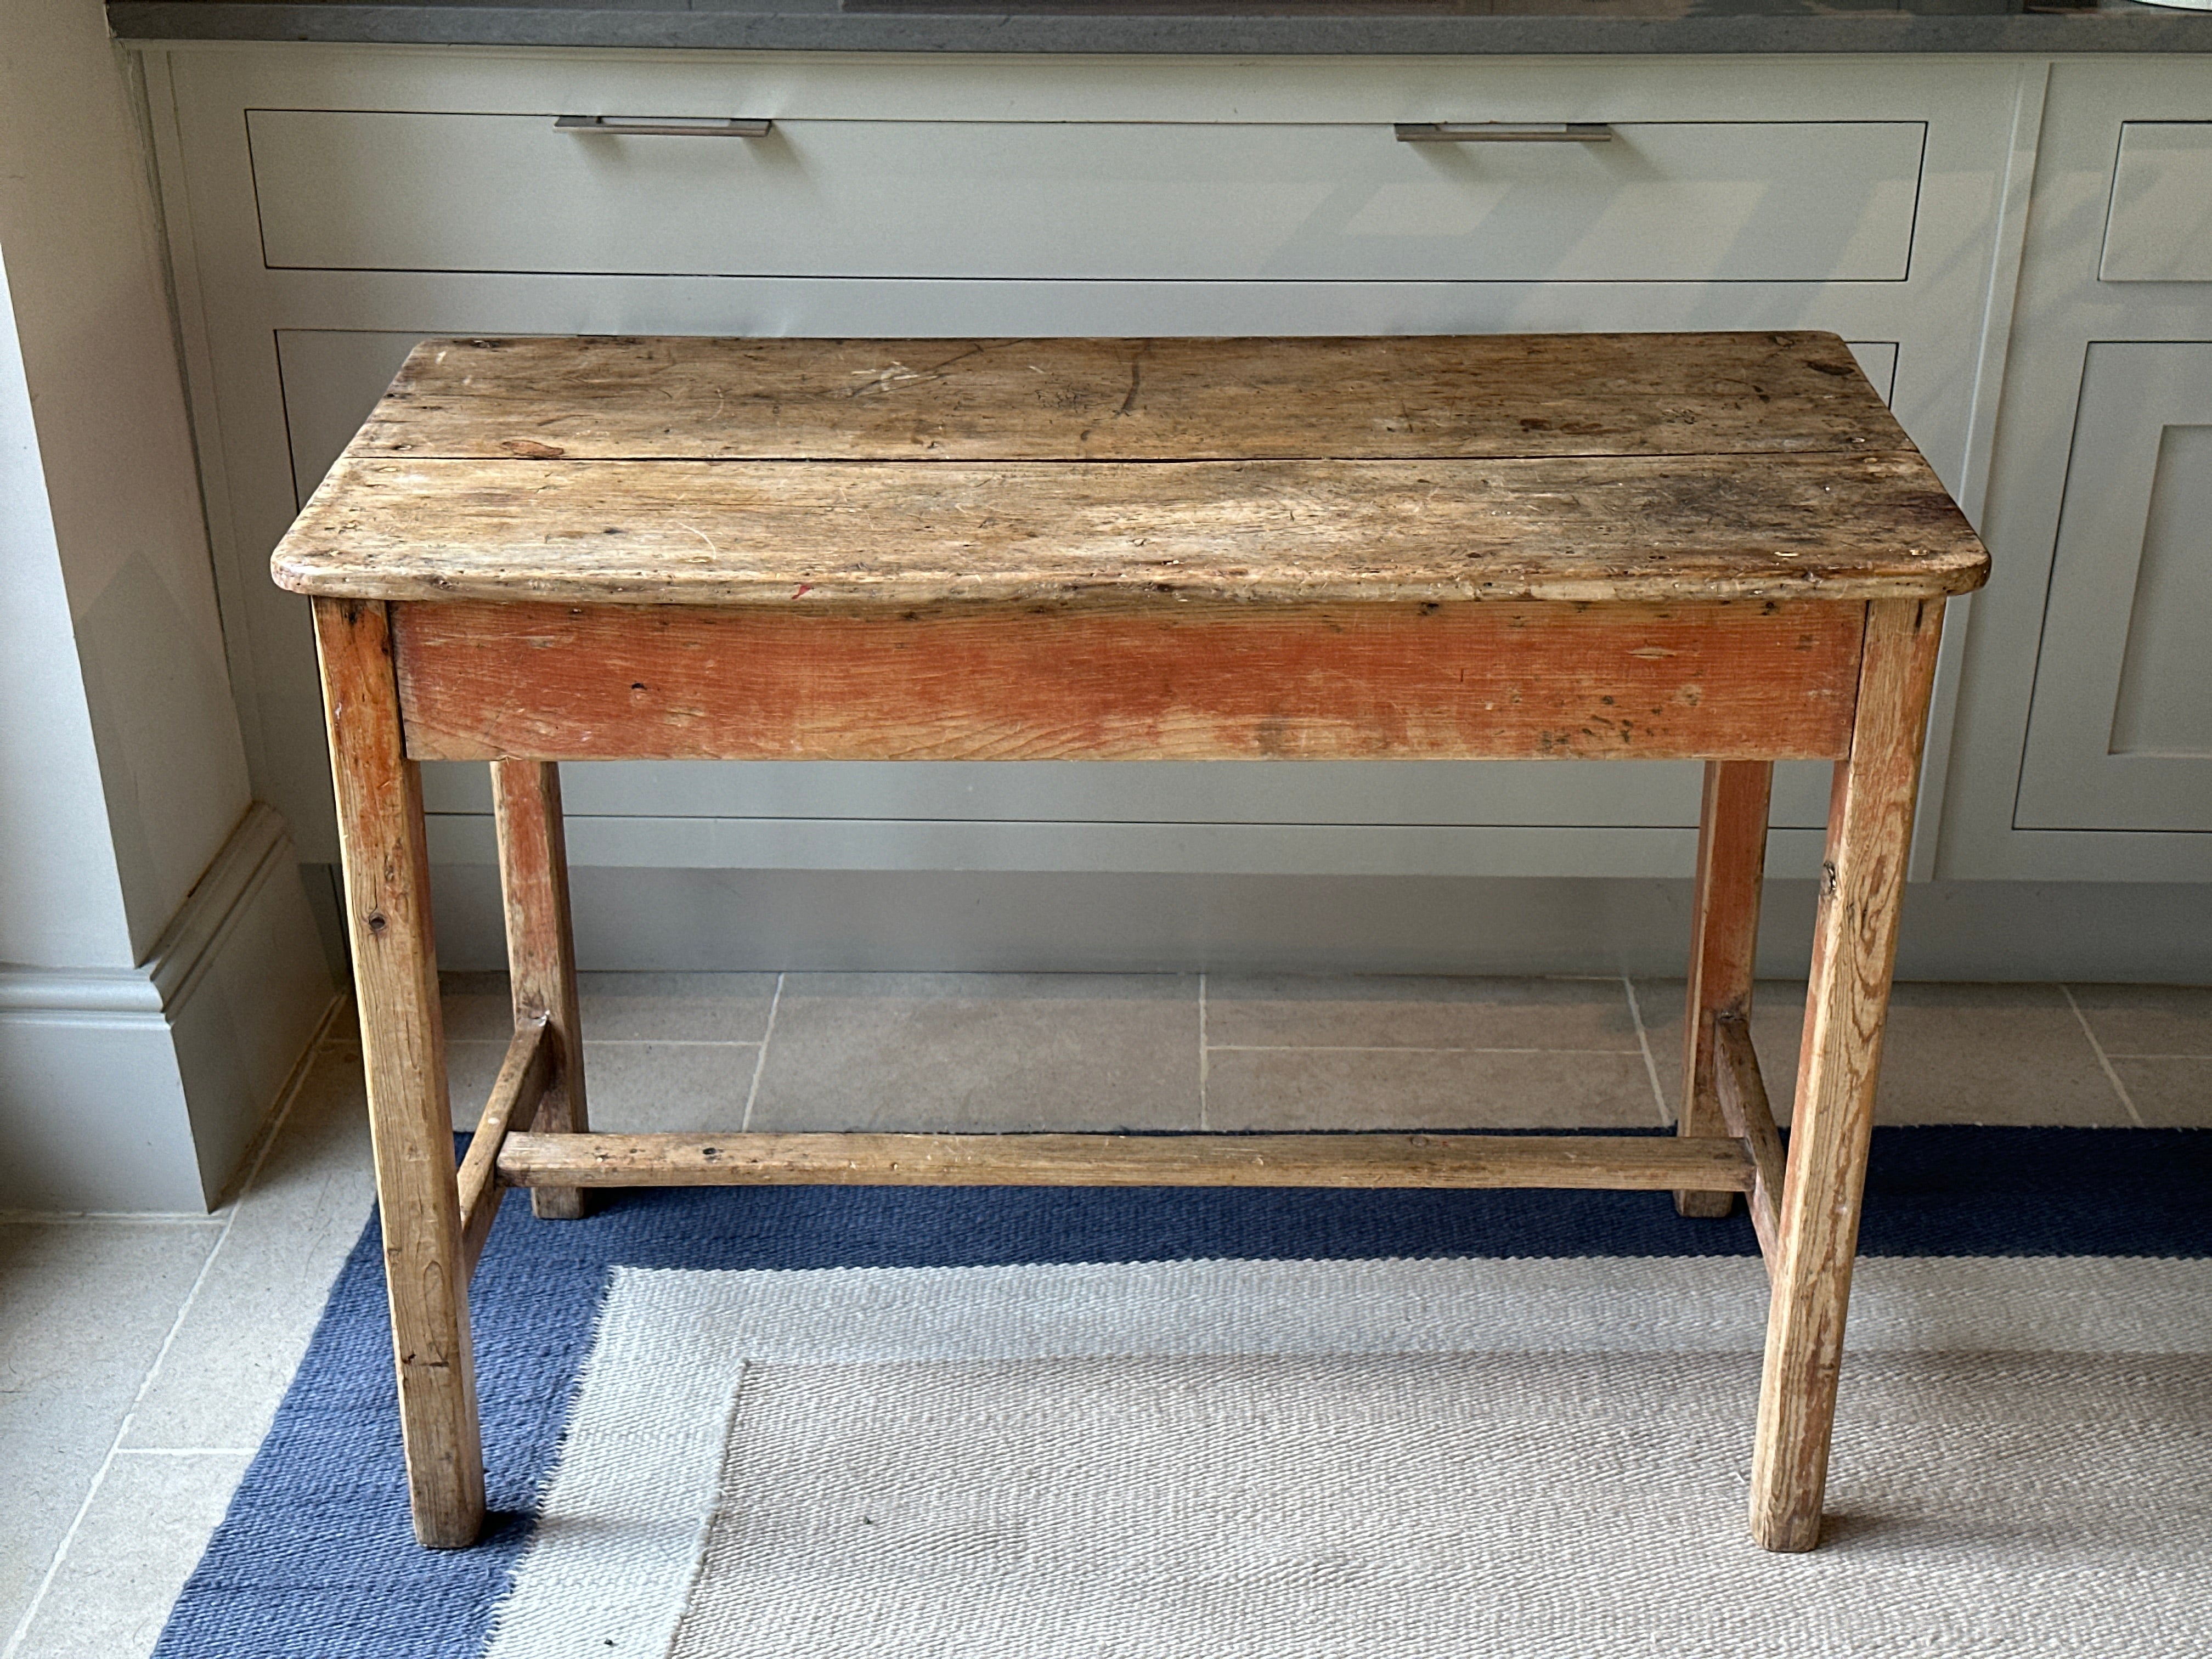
point(541, 950)
point(380, 838)
point(1854, 952)
point(1723, 940)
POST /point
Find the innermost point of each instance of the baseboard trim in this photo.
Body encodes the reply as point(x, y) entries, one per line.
point(141, 1089)
point(256, 849)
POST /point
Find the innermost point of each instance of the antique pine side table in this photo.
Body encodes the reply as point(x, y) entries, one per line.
point(1716, 547)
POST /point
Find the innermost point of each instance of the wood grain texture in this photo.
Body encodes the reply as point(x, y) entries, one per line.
point(380, 836)
point(1724, 938)
point(796, 538)
point(541, 951)
point(515, 1094)
point(1854, 952)
point(1402, 396)
point(1621, 1163)
point(1187, 682)
point(1742, 1091)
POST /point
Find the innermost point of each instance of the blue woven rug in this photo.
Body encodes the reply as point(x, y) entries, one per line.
point(315, 1556)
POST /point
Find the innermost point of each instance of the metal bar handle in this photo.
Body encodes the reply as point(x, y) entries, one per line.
point(1503, 132)
point(673, 126)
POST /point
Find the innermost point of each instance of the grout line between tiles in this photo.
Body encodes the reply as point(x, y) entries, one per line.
point(1644, 1043)
point(2111, 1076)
point(295, 1086)
point(2123, 1055)
point(760, 1059)
point(1204, 1054)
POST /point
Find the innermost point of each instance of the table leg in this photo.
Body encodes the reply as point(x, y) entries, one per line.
point(1723, 941)
point(380, 839)
point(541, 950)
point(1854, 952)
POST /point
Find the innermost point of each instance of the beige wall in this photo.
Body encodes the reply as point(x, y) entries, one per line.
point(95, 350)
point(159, 970)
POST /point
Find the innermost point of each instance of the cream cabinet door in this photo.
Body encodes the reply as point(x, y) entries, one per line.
point(2120, 728)
point(2159, 229)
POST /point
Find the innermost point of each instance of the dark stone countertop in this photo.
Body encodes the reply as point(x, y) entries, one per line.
point(1237, 28)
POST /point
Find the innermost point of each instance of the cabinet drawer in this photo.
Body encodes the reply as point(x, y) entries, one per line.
point(2160, 227)
point(1661, 202)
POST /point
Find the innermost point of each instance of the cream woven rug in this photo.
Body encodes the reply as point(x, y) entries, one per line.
point(1340, 1460)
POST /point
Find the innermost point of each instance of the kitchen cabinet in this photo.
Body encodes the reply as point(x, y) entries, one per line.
point(2083, 749)
point(329, 206)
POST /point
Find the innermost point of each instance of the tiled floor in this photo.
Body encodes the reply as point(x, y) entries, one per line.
point(141, 1357)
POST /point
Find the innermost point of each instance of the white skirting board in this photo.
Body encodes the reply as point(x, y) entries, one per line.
point(141, 1089)
point(858, 920)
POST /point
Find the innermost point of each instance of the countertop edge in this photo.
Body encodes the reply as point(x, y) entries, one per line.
point(164, 21)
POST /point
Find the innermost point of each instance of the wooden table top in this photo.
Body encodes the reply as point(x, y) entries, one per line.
point(859, 474)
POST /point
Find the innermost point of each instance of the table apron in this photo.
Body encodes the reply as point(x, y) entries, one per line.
point(1164, 679)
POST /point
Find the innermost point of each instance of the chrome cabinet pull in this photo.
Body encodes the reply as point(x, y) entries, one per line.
point(673, 126)
point(1503, 132)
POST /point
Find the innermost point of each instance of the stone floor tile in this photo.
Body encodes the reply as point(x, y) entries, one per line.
point(682, 1007)
point(477, 1007)
point(688, 1007)
point(1406, 1011)
point(1951, 1054)
point(2170, 1094)
point(84, 1308)
point(140, 1539)
point(982, 1051)
point(471, 1067)
point(239, 1342)
point(1409, 1088)
point(641, 1088)
point(634, 1086)
point(1990, 1053)
point(1777, 1016)
point(2148, 1019)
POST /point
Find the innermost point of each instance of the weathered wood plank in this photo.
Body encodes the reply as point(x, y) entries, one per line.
point(1723, 940)
point(515, 1097)
point(541, 952)
point(1621, 1163)
point(1178, 682)
point(395, 970)
point(1741, 1093)
point(872, 535)
point(1854, 952)
point(1407, 396)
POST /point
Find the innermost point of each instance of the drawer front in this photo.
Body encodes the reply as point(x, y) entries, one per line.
point(2161, 226)
point(1661, 202)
